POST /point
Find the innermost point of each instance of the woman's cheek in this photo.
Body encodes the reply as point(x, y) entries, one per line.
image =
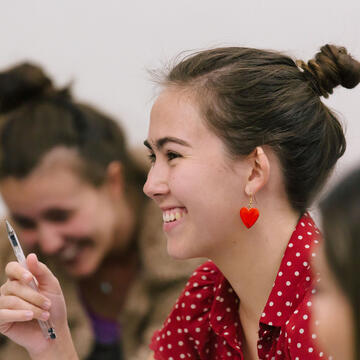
point(28, 238)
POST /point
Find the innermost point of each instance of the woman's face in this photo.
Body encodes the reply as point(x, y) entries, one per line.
point(332, 315)
point(199, 189)
point(62, 215)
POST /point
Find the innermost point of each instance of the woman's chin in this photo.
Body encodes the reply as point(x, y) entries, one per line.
point(81, 269)
point(78, 272)
point(179, 252)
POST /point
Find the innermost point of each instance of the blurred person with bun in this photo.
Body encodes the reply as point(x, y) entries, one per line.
point(74, 193)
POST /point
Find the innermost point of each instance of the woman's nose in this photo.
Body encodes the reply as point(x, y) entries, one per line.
point(49, 238)
point(156, 184)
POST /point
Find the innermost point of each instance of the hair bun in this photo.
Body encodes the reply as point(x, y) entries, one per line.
point(331, 67)
point(20, 84)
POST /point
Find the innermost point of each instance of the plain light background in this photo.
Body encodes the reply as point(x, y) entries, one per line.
point(106, 47)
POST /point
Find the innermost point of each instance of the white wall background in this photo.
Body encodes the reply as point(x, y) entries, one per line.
point(106, 46)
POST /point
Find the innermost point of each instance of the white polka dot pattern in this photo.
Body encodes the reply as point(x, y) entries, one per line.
point(204, 323)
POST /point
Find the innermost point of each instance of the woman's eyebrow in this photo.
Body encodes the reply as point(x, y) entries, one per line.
point(162, 141)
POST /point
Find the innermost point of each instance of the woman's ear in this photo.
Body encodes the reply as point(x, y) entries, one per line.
point(115, 181)
point(259, 171)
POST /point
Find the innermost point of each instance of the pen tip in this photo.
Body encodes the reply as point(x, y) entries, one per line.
point(8, 227)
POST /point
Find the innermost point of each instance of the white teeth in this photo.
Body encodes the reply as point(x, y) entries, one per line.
point(172, 215)
point(69, 253)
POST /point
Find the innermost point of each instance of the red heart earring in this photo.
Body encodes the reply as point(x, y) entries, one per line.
point(249, 215)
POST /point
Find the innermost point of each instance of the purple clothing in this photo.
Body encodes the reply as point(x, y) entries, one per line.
point(106, 331)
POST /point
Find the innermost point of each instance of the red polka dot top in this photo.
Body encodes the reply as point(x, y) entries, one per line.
point(204, 323)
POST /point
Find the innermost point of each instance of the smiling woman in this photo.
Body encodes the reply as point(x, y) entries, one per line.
point(232, 125)
point(48, 206)
point(64, 172)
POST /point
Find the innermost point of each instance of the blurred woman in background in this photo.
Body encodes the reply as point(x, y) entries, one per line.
point(336, 301)
point(75, 195)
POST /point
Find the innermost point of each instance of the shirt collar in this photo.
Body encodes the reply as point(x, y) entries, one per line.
point(224, 317)
point(291, 283)
point(294, 277)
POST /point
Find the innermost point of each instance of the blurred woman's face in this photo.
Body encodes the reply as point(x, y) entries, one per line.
point(63, 216)
point(332, 320)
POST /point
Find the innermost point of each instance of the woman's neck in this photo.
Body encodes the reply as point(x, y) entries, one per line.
point(113, 279)
point(251, 263)
point(110, 285)
point(126, 223)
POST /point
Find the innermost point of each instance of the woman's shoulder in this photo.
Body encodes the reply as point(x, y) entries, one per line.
point(187, 325)
point(199, 291)
point(203, 280)
point(201, 285)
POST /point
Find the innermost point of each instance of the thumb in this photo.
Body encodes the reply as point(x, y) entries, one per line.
point(45, 278)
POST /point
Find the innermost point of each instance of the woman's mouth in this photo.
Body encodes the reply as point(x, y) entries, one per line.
point(173, 217)
point(174, 214)
point(72, 251)
point(69, 253)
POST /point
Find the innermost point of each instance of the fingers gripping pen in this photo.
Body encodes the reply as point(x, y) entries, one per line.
point(45, 326)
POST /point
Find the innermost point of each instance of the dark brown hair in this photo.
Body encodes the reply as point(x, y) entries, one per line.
point(341, 227)
point(252, 97)
point(36, 118)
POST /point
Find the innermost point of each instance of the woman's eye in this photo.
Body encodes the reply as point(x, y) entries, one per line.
point(152, 158)
point(172, 155)
point(24, 222)
point(58, 215)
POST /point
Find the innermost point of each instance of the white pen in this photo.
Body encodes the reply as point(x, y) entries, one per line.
point(46, 327)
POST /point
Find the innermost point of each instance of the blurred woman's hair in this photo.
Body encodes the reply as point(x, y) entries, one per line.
point(341, 227)
point(37, 118)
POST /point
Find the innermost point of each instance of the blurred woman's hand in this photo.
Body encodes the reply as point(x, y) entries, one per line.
point(21, 306)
